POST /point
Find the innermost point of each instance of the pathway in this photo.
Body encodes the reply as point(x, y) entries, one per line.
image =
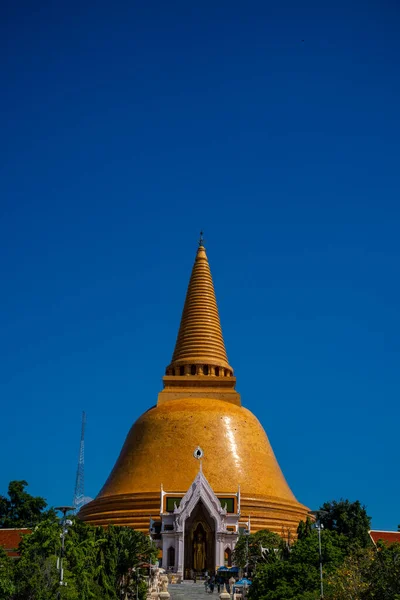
point(189, 590)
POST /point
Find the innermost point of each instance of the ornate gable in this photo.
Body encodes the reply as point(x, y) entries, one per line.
point(200, 490)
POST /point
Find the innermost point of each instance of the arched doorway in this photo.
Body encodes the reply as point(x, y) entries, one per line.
point(228, 557)
point(199, 542)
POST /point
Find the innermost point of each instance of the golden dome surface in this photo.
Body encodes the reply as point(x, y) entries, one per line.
point(198, 407)
point(159, 449)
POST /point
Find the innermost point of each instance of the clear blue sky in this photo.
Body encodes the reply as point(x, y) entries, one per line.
point(127, 127)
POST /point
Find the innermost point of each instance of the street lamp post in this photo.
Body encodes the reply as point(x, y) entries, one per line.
point(247, 555)
point(247, 533)
point(319, 527)
point(65, 523)
point(246, 572)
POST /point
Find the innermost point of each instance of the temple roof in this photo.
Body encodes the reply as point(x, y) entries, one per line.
point(389, 537)
point(10, 539)
point(200, 339)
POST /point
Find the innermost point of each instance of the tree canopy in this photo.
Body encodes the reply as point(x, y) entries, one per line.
point(98, 563)
point(347, 518)
point(6, 576)
point(107, 564)
point(21, 509)
point(295, 575)
point(353, 568)
point(259, 547)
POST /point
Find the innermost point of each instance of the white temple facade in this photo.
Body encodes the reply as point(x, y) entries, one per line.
point(199, 530)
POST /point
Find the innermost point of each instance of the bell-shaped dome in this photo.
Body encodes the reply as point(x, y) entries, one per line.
point(198, 407)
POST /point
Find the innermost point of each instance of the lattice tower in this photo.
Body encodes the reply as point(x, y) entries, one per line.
point(79, 494)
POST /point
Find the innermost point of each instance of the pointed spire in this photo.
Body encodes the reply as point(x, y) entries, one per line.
point(200, 348)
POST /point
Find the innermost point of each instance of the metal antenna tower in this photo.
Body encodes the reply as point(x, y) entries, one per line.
point(79, 494)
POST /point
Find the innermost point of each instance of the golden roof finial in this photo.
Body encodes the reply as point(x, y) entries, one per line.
point(200, 343)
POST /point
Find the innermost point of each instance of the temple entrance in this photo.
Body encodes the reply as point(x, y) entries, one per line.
point(228, 557)
point(199, 542)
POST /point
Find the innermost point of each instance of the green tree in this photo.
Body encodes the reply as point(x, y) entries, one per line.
point(21, 509)
point(285, 580)
point(333, 547)
point(99, 564)
point(6, 576)
point(297, 577)
point(85, 548)
point(263, 546)
point(347, 518)
point(128, 549)
point(36, 575)
point(304, 529)
point(352, 580)
point(108, 558)
point(384, 573)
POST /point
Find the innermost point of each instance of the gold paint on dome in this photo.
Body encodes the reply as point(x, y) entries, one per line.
point(198, 406)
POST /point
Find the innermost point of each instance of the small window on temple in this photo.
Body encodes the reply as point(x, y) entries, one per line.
point(181, 370)
point(216, 371)
point(193, 370)
point(205, 369)
point(171, 556)
point(228, 557)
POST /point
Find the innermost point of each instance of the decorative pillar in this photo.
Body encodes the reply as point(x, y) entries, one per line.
point(176, 545)
point(164, 552)
point(180, 554)
point(219, 553)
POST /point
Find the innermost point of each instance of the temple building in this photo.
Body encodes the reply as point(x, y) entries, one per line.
point(197, 468)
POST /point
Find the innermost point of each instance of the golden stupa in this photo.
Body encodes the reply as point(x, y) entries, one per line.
point(198, 407)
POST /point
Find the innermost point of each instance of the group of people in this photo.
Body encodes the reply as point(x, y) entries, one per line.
point(210, 583)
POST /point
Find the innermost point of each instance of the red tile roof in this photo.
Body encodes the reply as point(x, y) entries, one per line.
point(10, 539)
point(386, 536)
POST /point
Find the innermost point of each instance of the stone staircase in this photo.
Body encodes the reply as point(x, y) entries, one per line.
point(188, 590)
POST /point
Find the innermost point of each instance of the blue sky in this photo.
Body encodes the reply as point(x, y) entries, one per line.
point(128, 127)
